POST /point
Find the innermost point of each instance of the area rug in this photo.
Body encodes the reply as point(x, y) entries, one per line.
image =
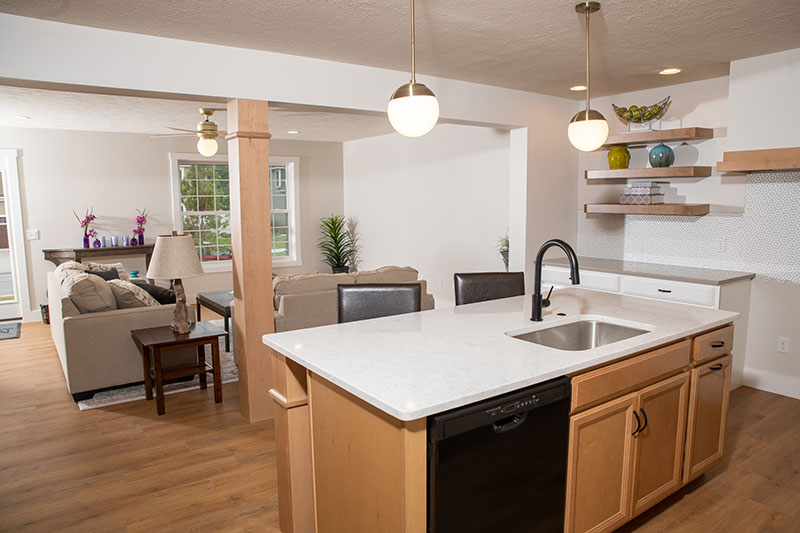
point(9, 330)
point(230, 373)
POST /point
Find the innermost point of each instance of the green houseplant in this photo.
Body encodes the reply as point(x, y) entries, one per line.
point(335, 243)
point(502, 247)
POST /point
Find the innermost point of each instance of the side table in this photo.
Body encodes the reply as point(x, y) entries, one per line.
point(152, 341)
point(220, 303)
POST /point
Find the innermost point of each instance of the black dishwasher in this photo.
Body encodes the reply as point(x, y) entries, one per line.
point(500, 464)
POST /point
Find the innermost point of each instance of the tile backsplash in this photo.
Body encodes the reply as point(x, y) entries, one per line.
point(764, 239)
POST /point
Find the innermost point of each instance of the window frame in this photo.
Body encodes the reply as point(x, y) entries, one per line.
point(292, 199)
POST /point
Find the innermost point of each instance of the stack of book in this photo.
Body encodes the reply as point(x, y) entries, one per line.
point(643, 193)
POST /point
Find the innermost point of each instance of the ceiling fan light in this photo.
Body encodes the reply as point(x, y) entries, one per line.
point(207, 146)
point(588, 133)
point(413, 110)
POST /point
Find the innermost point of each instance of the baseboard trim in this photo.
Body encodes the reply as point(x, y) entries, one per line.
point(770, 382)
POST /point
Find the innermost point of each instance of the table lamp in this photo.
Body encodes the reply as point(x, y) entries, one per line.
point(174, 258)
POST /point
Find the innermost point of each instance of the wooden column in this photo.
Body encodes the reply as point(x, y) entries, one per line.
point(248, 161)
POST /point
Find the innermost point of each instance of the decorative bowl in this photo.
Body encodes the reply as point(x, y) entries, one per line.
point(637, 115)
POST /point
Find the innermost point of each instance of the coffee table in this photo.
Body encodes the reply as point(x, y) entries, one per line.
point(152, 341)
point(220, 303)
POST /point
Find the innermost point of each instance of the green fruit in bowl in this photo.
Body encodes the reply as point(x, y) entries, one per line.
point(637, 114)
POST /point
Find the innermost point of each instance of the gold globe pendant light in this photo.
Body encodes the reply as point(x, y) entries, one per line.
point(413, 108)
point(588, 129)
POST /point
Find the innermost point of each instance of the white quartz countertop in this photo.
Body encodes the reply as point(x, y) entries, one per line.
point(414, 365)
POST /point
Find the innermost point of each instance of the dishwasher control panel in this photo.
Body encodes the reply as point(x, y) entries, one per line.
point(510, 408)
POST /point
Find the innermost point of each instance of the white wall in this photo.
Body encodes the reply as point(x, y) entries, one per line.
point(116, 173)
point(438, 204)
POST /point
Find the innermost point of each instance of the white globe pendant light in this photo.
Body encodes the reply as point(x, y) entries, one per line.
point(413, 108)
point(588, 129)
point(207, 146)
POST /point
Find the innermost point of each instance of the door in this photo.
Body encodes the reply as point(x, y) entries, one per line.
point(658, 445)
point(599, 467)
point(12, 259)
point(708, 409)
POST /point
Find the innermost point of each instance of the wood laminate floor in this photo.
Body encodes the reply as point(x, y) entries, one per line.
point(203, 467)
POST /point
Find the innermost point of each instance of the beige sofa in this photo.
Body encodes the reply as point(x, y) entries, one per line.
point(96, 349)
point(309, 300)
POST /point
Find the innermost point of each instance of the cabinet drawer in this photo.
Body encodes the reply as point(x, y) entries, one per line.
point(599, 281)
point(713, 344)
point(605, 383)
point(678, 291)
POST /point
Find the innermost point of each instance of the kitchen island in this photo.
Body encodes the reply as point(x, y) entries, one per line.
point(354, 398)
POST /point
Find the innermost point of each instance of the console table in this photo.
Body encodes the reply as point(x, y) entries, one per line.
point(62, 255)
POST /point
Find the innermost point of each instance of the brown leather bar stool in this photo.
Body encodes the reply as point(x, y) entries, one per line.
point(373, 300)
point(483, 286)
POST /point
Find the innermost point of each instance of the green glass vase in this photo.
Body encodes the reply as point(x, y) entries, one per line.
point(619, 156)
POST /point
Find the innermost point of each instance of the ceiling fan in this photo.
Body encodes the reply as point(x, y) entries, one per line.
point(206, 131)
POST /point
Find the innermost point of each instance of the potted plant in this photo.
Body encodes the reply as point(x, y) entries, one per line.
point(502, 247)
point(351, 225)
point(335, 243)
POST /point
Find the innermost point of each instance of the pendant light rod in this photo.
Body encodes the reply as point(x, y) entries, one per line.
point(413, 47)
point(587, 62)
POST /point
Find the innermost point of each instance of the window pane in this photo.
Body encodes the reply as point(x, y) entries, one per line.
point(205, 188)
point(209, 253)
point(191, 222)
point(208, 222)
point(223, 203)
point(225, 253)
point(205, 172)
point(188, 187)
point(277, 202)
point(221, 172)
point(279, 220)
point(277, 180)
point(188, 172)
point(205, 203)
point(221, 188)
point(188, 203)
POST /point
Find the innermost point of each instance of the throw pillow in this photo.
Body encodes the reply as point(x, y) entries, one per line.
point(162, 294)
point(129, 295)
point(90, 294)
point(68, 268)
point(105, 275)
point(123, 274)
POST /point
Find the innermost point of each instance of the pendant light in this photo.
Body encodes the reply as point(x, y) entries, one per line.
point(413, 109)
point(588, 129)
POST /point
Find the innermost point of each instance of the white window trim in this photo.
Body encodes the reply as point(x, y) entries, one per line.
point(293, 170)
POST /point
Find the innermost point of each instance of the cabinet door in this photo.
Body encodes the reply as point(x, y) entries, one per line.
point(599, 470)
point(708, 410)
point(658, 447)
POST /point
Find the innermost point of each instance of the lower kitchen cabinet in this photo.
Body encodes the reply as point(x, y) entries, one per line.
point(708, 410)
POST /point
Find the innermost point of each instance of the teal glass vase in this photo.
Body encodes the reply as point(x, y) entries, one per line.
point(661, 156)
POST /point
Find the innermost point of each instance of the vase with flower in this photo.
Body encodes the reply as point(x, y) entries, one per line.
point(86, 221)
point(138, 231)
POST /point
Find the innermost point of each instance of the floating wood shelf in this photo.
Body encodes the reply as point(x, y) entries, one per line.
point(755, 160)
point(655, 136)
point(690, 210)
point(663, 172)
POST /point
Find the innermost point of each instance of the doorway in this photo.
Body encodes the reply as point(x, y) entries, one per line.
point(13, 276)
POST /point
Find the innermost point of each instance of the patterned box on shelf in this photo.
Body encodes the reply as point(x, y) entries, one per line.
point(641, 199)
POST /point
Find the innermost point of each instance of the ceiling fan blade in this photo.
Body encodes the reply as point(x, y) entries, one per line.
point(181, 129)
point(173, 135)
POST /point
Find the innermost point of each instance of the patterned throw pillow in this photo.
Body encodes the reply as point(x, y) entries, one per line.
point(67, 269)
point(123, 274)
point(128, 295)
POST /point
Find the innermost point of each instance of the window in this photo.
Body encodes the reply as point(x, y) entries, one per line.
point(201, 192)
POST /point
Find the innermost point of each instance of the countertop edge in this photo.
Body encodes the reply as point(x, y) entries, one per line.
point(406, 416)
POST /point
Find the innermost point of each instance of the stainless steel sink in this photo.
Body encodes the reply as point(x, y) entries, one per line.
point(582, 335)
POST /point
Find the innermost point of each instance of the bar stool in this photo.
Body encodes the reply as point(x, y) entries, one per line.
point(373, 300)
point(483, 286)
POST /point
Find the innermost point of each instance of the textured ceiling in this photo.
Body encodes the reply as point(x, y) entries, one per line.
point(94, 112)
point(533, 46)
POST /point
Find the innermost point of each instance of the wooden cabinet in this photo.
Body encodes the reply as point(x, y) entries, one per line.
point(658, 446)
point(600, 463)
point(708, 409)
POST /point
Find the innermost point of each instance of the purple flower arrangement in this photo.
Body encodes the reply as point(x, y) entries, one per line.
point(88, 233)
point(138, 231)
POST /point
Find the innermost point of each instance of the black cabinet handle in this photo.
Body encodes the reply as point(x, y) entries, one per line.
point(718, 366)
point(644, 415)
point(719, 344)
point(665, 290)
point(638, 423)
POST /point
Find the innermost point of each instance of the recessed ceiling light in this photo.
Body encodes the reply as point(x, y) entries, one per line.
point(578, 88)
point(668, 71)
point(21, 117)
point(292, 132)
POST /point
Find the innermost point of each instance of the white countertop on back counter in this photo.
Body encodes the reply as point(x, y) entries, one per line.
point(414, 365)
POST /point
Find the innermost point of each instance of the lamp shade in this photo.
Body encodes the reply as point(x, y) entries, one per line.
point(174, 257)
point(413, 110)
point(587, 133)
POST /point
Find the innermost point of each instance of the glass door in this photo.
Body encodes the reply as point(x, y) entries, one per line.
point(9, 299)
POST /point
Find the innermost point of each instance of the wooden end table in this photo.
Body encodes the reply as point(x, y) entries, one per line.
point(152, 341)
point(220, 303)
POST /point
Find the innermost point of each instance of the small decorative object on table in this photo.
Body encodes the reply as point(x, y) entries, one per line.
point(126, 241)
point(88, 233)
point(619, 156)
point(96, 243)
point(502, 247)
point(138, 231)
point(103, 241)
point(661, 156)
point(639, 115)
point(134, 274)
point(114, 241)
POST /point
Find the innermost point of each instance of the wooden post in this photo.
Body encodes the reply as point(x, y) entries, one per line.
point(248, 162)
